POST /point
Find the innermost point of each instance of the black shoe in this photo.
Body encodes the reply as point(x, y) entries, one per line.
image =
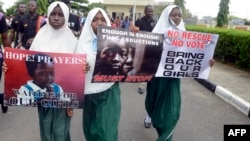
point(147, 124)
point(140, 90)
point(4, 108)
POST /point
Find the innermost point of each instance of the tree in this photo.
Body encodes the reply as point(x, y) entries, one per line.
point(247, 22)
point(1, 5)
point(10, 11)
point(181, 4)
point(99, 4)
point(222, 17)
point(80, 5)
point(189, 18)
point(76, 4)
point(42, 6)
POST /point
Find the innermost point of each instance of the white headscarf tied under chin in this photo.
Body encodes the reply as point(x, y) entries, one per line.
point(88, 35)
point(165, 22)
point(85, 45)
point(49, 39)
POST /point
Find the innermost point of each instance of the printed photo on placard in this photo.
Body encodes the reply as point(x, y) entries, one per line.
point(124, 56)
point(53, 80)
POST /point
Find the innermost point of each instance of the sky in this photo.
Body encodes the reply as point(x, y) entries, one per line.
point(200, 8)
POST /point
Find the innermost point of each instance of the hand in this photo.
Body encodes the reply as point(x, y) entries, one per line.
point(29, 42)
point(86, 67)
point(211, 62)
point(4, 67)
point(19, 45)
point(133, 28)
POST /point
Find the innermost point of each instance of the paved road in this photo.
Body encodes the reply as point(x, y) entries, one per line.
point(202, 118)
point(230, 84)
point(231, 78)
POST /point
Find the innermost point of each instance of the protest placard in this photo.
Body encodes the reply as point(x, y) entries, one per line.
point(53, 80)
point(186, 54)
point(124, 56)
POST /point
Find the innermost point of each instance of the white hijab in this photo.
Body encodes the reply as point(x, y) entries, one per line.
point(165, 22)
point(85, 45)
point(60, 40)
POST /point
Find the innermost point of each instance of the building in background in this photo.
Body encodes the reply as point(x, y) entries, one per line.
point(124, 8)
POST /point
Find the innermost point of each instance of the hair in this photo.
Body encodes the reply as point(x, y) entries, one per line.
point(147, 6)
point(66, 1)
point(18, 4)
point(35, 2)
point(31, 65)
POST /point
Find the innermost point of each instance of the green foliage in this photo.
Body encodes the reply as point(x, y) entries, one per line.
point(231, 17)
point(42, 6)
point(181, 3)
point(99, 4)
point(158, 9)
point(77, 5)
point(222, 17)
point(247, 22)
point(233, 46)
point(1, 5)
point(10, 11)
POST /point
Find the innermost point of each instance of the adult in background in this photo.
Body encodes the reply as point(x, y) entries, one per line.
point(29, 25)
point(82, 21)
point(4, 31)
point(126, 23)
point(117, 22)
point(111, 20)
point(21, 8)
point(146, 23)
point(74, 21)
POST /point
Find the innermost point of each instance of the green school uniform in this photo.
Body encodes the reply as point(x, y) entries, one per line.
point(101, 115)
point(163, 104)
point(54, 124)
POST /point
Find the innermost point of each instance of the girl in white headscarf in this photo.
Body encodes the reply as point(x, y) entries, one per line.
point(163, 99)
point(54, 39)
point(55, 36)
point(102, 104)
